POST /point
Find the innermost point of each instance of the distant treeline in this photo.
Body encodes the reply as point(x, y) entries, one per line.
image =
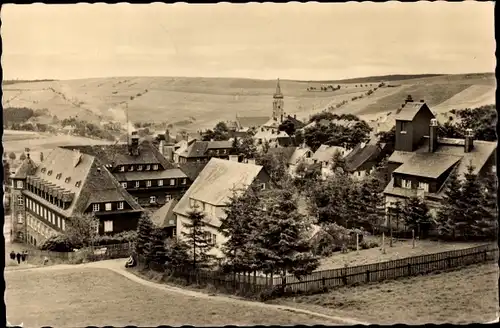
point(376, 79)
point(7, 82)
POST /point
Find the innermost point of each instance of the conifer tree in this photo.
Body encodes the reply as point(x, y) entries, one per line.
point(157, 249)
point(144, 230)
point(471, 203)
point(238, 226)
point(176, 254)
point(486, 225)
point(450, 214)
point(197, 240)
point(416, 215)
point(282, 246)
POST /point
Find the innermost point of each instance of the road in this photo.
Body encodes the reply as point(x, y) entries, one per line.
point(133, 295)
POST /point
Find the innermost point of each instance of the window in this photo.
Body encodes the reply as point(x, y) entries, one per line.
point(122, 168)
point(45, 214)
point(168, 197)
point(78, 184)
point(131, 168)
point(155, 167)
point(120, 205)
point(20, 200)
point(137, 184)
point(424, 186)
point(58, 176)
point(263, 186)
point(148, 167)
point(214, 239)
point(63, 224)
point(148, 183)
point(403, 127)
point(136, 199)
point(49, 173)
point(95, 207)
point(19, 184)
point(108, 226)
point(19, 218)
point(172, 182)
point(406, 184)
point(108, 206)
point(152, 199)
point(43, 170)
point(184, 181)
point(124, 185)
point(139, 168)
point(191, 203)
point(51, 217)
point(67, 180)
point(160, 183)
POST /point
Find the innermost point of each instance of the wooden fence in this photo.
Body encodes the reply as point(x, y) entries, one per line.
point(88, 254)
point(327, 279)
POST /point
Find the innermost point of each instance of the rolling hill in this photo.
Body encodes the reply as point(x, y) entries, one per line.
point(198, 103)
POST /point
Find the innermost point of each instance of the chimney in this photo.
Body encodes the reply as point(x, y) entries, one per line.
point(295, 116)
point(77, 157)
point(422, 101)
point(233, 158)
point(281, 118)
point(27, 151)
point(134, 144)
point(408, 99)
point(433, 142)
point(469, 140)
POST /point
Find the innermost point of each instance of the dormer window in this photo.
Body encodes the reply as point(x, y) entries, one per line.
point(120, 205)
point(131, 168)
point(137, 184)
point(95, 207)
point(43, 170)
point(78, 184)
point(50, 172)
point(184, 181)
point(148, 167)
point(124, 185)
point(424, 186)
point(58, 176)
point(160, 183)
point(122, 168)
point(139, 168)
point(67, 180)
point(148, 183)
point(155, 167)
point(108, 206)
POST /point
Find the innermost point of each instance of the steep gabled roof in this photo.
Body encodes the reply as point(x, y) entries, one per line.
point(283, 152)
point(119, 154)
point(215, 184)
point(361, 154)
point(192, 170)
point(27, 167)
point(164, 217)
point(410, 109)
point(298, 155)
point(325, 153)
point(270, 135)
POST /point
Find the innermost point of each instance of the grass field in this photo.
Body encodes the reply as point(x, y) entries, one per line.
point(469, 295)
point(208, 100)
point(400, 249)
point(98, 297)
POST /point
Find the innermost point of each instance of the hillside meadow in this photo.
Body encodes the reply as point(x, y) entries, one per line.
point(199, 103)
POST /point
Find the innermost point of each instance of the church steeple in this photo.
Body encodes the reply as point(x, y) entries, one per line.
point(278, 103)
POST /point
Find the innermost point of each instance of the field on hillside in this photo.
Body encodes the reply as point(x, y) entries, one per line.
point(469, 295)
point(17, 141)
point(97, 297)
point(201, 102)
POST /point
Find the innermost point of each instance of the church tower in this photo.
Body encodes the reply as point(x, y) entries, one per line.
point(278, 103)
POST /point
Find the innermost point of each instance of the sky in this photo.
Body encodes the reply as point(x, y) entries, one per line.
point(309, 41)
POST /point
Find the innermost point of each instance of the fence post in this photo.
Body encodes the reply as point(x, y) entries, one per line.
point(485, 255)
point(323, 281)
point(367, 275)
point(409, 269)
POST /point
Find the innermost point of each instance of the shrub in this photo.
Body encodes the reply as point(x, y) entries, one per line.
point(58, 243)
point(119, 238)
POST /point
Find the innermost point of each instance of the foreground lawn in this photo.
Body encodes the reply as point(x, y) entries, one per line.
point(400, 249)
point(98, 297)
point(465, 296)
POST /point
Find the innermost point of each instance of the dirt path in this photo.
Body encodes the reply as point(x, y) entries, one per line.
point(118, 267)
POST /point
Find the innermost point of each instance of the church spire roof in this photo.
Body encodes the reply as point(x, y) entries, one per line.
point(278, 93)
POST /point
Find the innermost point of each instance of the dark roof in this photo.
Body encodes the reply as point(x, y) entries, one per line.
point(192, 170)
point(362, 153)
point(284, 152)
point(84, 177)
point(410, 109)
point(252, 121)
point(200, 148)
point(296, 123)
point(150, 175)
point(430, 165)
point(164, 217)
point(119, 154)
point(27, 167)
